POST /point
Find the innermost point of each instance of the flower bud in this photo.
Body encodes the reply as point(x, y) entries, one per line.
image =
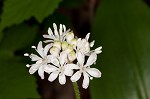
point(69, 49)
point(54, 51)
point(72, 56)
point(73, 42)
point(69, 36)
point(64, 45)
point(57, 44)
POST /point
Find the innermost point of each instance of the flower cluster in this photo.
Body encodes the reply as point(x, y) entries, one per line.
point(65, 55)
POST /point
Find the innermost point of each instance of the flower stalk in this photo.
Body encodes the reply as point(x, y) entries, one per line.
point(76, 90)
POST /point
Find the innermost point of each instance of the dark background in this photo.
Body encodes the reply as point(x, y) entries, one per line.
point(122, 27)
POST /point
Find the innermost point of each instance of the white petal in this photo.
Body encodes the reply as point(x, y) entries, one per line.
point(63, 58)
point(71, 66)
point(87, 36)
point(68, 72)
point(60, 29)
point(40, 48)
point(47, 36)
point(49, 57)
point(54, 60)
point(94, 72)
point(76, 76)
point(64, 27)
point(80, 58)
point(86, 81)
point(48, 41)
point(41, 72)
point(34, 57)
point(79, 42)
point(98, 50)
point(47, 48)
point(62, 79)
point(92, 58)
point(53, 76)
point(34, 68)
point(92, 43)
point(55, 30)
point(50, 31)
point(39, 61)
point(50, 68)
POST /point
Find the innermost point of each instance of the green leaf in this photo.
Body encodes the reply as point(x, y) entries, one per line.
point(122, 27)
point(16, 11)
point(18, 37)
point(16, 82)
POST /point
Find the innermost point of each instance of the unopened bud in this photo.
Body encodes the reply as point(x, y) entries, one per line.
point(54, 51)
point(69, 36)
point(69, 49)
point(73, 42)
point(72, 56)
point(57, 44)
point(64, 45)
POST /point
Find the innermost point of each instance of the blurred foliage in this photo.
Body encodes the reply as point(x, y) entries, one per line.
point(17, 37)
point(15, 81)
point(16, 11)
point(122, 27)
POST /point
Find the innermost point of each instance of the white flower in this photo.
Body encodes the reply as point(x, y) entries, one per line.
point(84, 69)
point(58, 56)
point(57, 35)
point(84, 46)
point(41, 61)
point(58, 68)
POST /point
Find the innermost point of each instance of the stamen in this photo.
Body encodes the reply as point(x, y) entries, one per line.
point(26, 54)
point(28, 65)
point(91, 78)
point(33, 47)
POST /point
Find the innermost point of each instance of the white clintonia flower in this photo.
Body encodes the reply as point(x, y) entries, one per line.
point(41, 62)
point(84, 69)
point(84, 46)
point(57, 35)
point(58, 68)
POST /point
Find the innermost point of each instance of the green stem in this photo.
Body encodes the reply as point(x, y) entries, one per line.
point(76, 90)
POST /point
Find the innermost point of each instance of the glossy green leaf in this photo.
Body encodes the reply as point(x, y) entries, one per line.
point(16, 11)
point(16, 82)
point(122, 27)
point(18, 37)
